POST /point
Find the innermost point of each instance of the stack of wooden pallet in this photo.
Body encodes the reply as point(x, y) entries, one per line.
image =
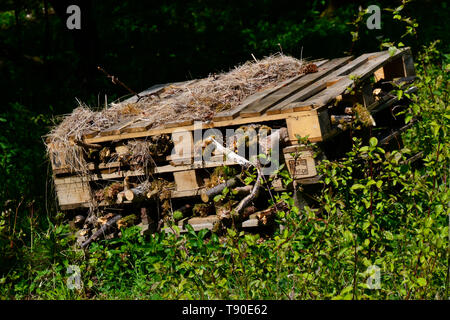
point(316, 105)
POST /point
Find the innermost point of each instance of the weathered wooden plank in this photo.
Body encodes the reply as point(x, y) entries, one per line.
point(408, 64)
point(186, 180)
point(359, 74)
point(260, 106)
point(300, 106)
point(214, 161)
point(303, 126)
point(302, 165)
point(250, 223)
point(116, 129)
point(255, 98)
point(178, 124)
point(204, 125)
point(183, 146)
point(73, 193)
point(138, 126)
point(286, 106)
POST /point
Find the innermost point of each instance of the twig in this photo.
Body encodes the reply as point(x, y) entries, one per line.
point(116, 80)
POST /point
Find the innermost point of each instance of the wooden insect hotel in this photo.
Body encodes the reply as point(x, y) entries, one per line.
point(142, 160)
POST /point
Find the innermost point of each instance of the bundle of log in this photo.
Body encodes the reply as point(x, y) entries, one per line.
point(215, 174)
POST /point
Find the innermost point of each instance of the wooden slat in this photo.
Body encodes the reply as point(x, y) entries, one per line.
point(333, 77)
point(268, 116)
point(215, 161)
point(90, 134)
point(361, 73)
point(73, 193)
point(137, 126)
point(116, 129)
point(255, 98)
point(204, 125)
point(258, 107)
point(178, 124)
point(186, 180)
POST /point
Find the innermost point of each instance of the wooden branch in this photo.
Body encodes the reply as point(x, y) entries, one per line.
point(398, 132)
point(230, 154)
point(207, 194)
point(135, 194)
point(415, 157)
point(116, 80)
point(246, 201)
point(102, 230)
point(280, 135)
point(242, 191)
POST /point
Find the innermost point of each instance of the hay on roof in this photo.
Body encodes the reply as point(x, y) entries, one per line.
point(193, 100)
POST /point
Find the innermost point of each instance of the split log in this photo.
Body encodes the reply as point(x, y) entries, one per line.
point(207, 194)
point(135, 194)
point(102, 230)
point(121, 197)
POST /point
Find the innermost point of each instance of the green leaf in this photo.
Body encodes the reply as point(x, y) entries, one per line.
point(422, 282)
point(357, 186)
point(392, 50)
point(373, 141)
point(389, 235)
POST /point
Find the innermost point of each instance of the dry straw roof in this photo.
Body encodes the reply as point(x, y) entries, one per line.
point(192, 100)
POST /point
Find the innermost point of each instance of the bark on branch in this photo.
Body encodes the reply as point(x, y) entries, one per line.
point(102, 230)
point(207, 194)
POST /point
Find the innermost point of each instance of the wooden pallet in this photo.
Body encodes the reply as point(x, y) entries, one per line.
point(304, 97)
point(301, 104)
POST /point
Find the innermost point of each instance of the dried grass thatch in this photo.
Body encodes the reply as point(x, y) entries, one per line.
point(192, 100)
